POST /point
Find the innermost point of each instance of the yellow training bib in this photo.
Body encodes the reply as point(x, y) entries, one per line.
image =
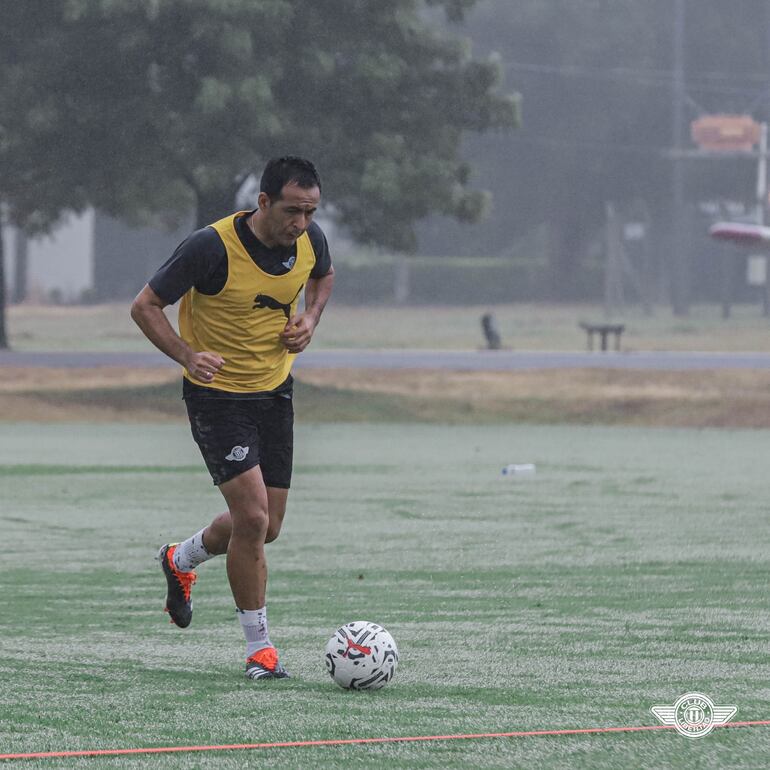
point(243, 321)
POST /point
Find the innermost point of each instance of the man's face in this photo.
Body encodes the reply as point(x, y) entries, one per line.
point(285, 219)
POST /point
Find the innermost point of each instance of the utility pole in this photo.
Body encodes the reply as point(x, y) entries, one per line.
point(761, 208)
point(762, 175)
point(680, 257)
point(613, 270)
point(3, 334)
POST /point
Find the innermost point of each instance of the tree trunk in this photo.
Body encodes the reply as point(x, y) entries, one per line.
point(20, 267)
point(3, 337)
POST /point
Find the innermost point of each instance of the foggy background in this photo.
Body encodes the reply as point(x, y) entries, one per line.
point(102, 104)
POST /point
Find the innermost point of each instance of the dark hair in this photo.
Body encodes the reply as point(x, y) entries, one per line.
point(289, 169)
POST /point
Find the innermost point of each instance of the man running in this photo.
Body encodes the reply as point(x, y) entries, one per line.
point(240, 280)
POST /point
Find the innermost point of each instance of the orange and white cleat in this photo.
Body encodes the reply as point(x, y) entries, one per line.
point(264, 664)
point(178, 601)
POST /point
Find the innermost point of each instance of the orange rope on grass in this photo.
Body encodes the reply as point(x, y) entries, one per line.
point(356, 741)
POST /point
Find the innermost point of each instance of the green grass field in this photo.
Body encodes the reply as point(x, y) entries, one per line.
point(633, 567)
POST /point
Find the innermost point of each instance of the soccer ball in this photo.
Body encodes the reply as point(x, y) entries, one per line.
point(361, 656)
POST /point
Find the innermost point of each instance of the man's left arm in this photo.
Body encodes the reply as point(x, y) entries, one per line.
point(299, 328)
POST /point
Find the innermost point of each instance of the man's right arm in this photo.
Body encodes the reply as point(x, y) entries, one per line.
point(147, 312)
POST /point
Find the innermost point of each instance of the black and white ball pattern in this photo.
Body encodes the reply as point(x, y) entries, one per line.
point(361, 656)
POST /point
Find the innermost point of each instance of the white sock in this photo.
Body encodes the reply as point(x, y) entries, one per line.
point(189, 554)
point(254, 625)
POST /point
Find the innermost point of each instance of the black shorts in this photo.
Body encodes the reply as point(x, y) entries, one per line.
point(235, 435)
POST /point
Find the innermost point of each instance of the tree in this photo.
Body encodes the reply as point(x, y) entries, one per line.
point(187, 96)
point(42, 168)
point(366, 88)
point(402, 96)
point(143, 106)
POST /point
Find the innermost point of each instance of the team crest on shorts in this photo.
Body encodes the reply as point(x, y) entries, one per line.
point(238, 453)
point(694, 715)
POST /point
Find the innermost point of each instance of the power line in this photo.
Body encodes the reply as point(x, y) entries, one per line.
point(656, 151)
point(579, 69)
point(649, 77)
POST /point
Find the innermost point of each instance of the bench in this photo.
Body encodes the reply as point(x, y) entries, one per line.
point(603, 330)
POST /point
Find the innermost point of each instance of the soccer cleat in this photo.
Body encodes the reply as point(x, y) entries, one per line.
point(178, 601)
point(263, 664)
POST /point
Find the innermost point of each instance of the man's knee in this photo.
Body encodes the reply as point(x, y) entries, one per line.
point(252, 523)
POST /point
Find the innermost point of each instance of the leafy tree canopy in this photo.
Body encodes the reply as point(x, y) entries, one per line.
point(137, 106)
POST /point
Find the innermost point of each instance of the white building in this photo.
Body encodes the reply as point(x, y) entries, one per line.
point(88, 256)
